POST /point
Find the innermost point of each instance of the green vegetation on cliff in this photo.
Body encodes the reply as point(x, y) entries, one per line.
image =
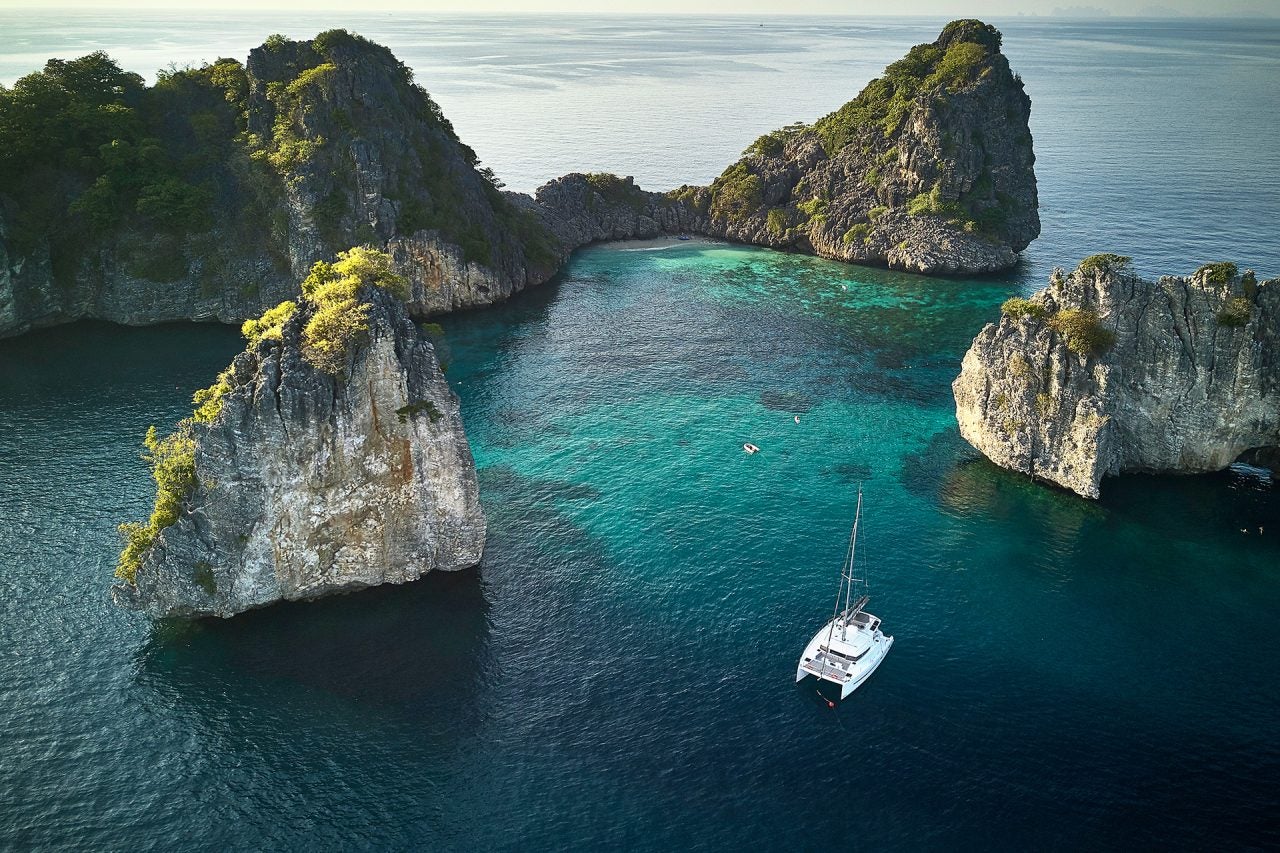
point(1219, 273)
point(173, 467)
point(339, 320)
point(932, 204)
point(86, 148)
point(1236, 311)
point(617, 191)
point(1107, 263)
point(340, 317)
point(269, 326)
point(928, 69)
point(405, 413)
point(1082, 330)
point(737, 192)
point(1018, 307)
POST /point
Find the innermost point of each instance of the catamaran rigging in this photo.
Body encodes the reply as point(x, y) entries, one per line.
point(848, 648)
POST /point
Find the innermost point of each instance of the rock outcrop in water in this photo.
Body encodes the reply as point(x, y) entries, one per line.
point(295, 481)
point(1104, 373)
point(209, 195)
point(929, 169)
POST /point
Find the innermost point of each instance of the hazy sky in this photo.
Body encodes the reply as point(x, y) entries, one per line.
point(948, 8)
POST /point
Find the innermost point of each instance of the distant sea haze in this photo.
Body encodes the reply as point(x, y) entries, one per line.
point(1155, 139)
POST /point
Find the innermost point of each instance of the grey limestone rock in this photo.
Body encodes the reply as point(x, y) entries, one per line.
point(310, 485)
point(1190, 384)
point(930, 169)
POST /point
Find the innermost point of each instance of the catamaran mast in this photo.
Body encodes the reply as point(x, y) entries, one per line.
point(853, 554)
point(845, 589)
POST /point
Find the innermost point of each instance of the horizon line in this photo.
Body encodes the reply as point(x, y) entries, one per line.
point(1252, 14)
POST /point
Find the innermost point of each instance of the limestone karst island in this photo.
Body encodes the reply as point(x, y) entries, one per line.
point(430, 428)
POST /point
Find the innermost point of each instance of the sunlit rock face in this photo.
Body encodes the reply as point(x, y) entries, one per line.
point(1187, 381)
point(309, 484)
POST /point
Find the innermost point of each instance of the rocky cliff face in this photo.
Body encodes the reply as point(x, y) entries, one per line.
point(209, 195)
point(369, 158)
point(311, 148)
point(929, 169)
point(308, 484)
point(1103, 373)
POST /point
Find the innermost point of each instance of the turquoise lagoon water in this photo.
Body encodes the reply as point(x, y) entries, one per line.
point(619, 670)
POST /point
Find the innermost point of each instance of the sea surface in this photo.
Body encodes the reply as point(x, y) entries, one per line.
point(619, 672)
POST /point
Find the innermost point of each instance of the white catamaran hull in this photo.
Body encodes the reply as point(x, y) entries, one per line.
point(845, 654)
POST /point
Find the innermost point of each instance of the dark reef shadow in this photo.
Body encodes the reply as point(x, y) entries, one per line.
point(1233, 504)
point(925, 472)
point(1181, 508)
point(410, 645)
point(786, 401)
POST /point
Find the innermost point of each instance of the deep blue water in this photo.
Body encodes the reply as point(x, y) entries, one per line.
point(619, 671)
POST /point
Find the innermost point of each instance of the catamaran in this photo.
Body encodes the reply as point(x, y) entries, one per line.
point(849, 647)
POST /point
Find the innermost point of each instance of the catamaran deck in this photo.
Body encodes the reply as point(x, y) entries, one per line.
point(849, 647)
point(845, 651)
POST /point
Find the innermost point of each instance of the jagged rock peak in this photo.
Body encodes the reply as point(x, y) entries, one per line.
point(1104, 373)
point(330, 456)
point(970, 30)
point(928, 169)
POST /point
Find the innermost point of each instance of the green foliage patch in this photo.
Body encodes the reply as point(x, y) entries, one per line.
point(814, 208)
point(1082, 330)
point(414, 409)
point(1018, 307)
point(860, 232)
point(340, 318)
point(932, 204)
point(777, 221)
point(1236, 311)
point(269, 326)
point(736, 193)
point(173, 467)
point(1107, 263)
point(1219, 273)
point(618, 191)
point(208, 401)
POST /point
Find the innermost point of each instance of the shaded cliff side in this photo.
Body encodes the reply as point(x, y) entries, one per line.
point(209, 195)
point(929, 169)
point(328, 457)
point(1104, 373)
